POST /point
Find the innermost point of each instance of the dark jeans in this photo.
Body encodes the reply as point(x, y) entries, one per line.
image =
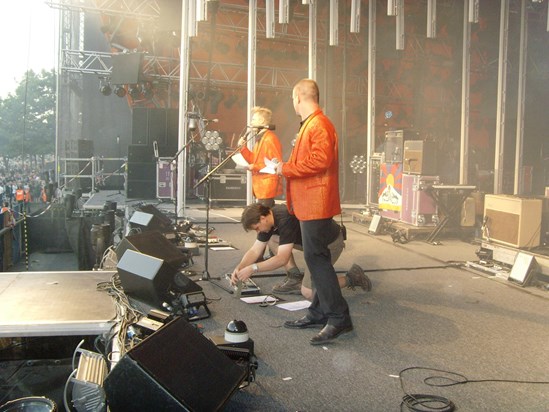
point(328, 303)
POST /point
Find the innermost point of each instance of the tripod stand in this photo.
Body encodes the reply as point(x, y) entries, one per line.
point(207, 181)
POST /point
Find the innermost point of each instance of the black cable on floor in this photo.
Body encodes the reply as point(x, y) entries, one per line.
point(430, 403)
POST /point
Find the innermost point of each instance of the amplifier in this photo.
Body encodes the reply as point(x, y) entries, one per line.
point(420, 157)
point(512, 220)
point(228, 188)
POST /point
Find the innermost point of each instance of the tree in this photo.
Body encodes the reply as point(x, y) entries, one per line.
point(27, 118)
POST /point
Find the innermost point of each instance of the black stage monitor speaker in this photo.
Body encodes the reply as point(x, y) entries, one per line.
point(155, 244)
point(146, 278)
point(141, 220)
point(174, 369)
point(160, 221)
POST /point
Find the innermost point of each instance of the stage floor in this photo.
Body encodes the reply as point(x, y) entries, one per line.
point(54, 304)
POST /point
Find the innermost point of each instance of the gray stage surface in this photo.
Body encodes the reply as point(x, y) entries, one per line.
point(54, 304)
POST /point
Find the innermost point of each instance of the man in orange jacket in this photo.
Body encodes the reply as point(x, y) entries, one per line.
point(312, 193)
point(265, 186)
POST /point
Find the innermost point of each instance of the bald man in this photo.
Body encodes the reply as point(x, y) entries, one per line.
point(312, 193)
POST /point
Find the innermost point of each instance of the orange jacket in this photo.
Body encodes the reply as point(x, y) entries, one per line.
point(264, 185)
point(19, 195)
point(312, 180)
point(28, 197)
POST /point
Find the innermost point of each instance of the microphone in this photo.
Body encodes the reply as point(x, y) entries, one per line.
point(211, 120)
point(155, 148)
point(268, 127)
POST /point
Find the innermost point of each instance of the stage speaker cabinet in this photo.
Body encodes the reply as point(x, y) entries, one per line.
point(228, 188)
point(160, 221)
point(146, 278)
point(174, 369)
point(154, 244)
point(420, 157)
point(512, 220)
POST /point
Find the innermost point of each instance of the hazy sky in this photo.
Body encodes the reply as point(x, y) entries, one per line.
point(29, 40)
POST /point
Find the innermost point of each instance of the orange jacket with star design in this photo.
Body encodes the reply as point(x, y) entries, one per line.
point(312, 175)
point(264, 185)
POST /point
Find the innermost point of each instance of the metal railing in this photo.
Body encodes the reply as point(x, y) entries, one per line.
point(92, 168)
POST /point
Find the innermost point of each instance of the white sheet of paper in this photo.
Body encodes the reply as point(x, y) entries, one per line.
point(259, 299)
point(239, 160)
point(291, 306)
point(270, 166)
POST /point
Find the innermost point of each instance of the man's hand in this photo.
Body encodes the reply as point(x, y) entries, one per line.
point(234, 279)
point(243, 274)
point(279, 168)
point(241, 141)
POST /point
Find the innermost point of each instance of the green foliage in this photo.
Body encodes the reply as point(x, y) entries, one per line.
point(27, 117)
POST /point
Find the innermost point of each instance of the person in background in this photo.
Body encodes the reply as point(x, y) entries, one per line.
point(312, 194)
point(265, 186)
point(280, 231)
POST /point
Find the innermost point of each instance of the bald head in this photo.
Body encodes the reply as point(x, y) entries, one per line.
point(305, 97)
point(307, 90)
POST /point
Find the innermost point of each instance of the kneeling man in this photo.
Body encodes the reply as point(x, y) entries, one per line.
point(280, 230)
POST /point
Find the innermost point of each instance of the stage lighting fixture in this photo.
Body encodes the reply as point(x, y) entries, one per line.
point(212, 140)
point(135, 91)
point(105, 89)
point(120, 91)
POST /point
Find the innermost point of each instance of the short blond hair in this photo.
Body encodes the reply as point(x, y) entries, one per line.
point(265, 115)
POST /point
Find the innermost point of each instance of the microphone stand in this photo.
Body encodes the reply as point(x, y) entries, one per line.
point(173, 165)
point(207, 179)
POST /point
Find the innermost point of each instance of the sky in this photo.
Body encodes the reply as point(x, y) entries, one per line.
point(29, 40)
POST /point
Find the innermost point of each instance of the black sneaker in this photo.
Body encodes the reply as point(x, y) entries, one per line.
point(357, 278)
point(290, 286)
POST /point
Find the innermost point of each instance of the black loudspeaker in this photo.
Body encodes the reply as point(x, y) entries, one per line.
point(126, 68)
point(140, 126)
point(140, 153)
point(157, 126)
point(146, 278)
point(154, 244)
point(151, 221)
point(160, 222)
point(141, 189)
point(142, 171)
point(174, 369)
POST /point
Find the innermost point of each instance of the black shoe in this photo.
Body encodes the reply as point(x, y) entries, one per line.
point(303, 323)
point(357, 278)
point(329, 333)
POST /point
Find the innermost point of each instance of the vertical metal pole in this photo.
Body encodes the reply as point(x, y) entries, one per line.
point(334, 22)
point(252, 56)
point(371, 91)
point(431, 19)
point(312, 39)
point(501, 97)
point(465, 79)
point(521, 95)
point(400, 37)
point(355, 16)
point(183, 103)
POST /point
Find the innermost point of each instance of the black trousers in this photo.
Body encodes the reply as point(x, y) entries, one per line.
point(328, 304)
